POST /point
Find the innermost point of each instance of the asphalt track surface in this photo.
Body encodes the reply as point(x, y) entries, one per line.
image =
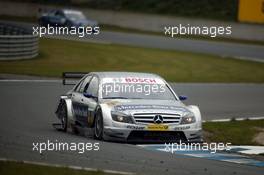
point(27, 112)
point(223, 49)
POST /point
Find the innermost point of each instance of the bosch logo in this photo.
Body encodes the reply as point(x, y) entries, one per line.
point(158, 119)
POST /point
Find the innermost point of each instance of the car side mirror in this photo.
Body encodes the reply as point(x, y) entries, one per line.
point(87, 95)
point(182, 97)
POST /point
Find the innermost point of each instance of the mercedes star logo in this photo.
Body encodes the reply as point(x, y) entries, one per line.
point(158, 119)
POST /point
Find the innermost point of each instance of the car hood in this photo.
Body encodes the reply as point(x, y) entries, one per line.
point(146, 106)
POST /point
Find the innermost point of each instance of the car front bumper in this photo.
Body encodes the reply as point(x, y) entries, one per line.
point(151, 136)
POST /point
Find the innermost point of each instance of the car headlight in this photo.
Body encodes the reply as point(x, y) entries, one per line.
point(188, 118)
point(120, 117)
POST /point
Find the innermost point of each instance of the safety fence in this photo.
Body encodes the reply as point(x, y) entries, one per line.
point(17, 42)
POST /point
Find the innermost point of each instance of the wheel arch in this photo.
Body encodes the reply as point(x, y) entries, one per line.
point(98, 108)
point(67, 101)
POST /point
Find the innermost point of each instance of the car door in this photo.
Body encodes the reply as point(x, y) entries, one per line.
point(91, 90)
point(80, 108)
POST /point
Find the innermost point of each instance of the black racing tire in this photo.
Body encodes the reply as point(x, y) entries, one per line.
point(98, 126)
point(64, 117)
point(74, 129)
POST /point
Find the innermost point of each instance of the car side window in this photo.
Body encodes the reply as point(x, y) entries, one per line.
point(77, 88)
point(93, 87)
point(59, 14)
point(85, 83)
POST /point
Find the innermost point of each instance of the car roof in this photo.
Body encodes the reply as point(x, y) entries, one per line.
point(70, 11)
point(102, 75)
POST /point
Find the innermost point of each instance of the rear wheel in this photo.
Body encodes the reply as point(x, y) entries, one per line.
point(64, 117)
point(99, 126)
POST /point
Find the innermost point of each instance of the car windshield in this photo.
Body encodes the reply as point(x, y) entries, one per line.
point(74, 15)
point(136, 91)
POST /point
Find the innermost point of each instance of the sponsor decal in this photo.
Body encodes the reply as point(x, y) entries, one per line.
point(181, 128)
point(140, 80)
point(135, 127)
point(134, 80)
point(157, 127)
point(80, 110)
point(138, 107)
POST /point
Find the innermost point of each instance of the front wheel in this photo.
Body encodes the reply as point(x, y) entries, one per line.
point(99, 126)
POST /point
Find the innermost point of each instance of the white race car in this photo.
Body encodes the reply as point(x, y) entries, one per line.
point(126, 106)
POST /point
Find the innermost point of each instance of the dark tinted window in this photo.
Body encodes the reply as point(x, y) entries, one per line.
point(93, 87)
point(59, 13)
point(85, 84)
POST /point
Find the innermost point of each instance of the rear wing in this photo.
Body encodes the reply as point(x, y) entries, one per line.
point(69, 77)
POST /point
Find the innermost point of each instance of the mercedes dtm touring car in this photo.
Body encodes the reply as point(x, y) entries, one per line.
point(125, 106)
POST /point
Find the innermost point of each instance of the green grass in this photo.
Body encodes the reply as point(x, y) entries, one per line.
point(57, 56)
point(113, 28)
point(18, 18)
point(14, 168)
point(221, 9)
point(235, 132)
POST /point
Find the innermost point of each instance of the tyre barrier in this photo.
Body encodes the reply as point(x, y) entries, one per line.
point(17, 42)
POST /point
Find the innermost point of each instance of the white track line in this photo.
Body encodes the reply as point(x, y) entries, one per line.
point(32, 81)
point(249, 59)
point(235, 119)
point(71, 167)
